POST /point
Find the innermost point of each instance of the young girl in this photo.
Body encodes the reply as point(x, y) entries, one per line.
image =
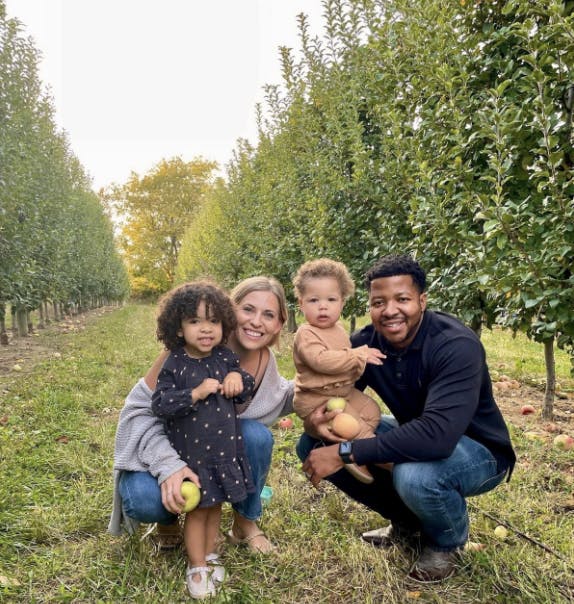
point(327, 366)
point(198, 387)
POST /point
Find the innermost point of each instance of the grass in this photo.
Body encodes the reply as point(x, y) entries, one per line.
point(56, 444)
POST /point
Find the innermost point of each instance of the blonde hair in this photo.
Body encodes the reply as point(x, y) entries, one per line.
point(262, 283)
point(324, 267)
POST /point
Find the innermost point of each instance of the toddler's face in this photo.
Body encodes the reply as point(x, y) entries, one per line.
point(201, 333)
point(322, 301)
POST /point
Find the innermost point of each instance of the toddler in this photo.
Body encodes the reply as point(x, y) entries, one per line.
point(199, 390)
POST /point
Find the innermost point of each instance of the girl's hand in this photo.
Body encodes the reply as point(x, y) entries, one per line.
point(232, 384)
point(171, 496)
point(207, 387)
point(375, 356)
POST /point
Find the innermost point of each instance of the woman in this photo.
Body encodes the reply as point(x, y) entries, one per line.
point(147, 471)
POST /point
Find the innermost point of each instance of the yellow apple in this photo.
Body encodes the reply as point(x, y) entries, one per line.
point(501, 532)
point(190, 491)
point(345, 426)
point(336, 402)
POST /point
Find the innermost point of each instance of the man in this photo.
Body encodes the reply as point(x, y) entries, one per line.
point(447, 439)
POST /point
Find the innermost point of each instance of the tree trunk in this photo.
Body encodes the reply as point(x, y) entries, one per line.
point(56, 314)
point(22, 321)
point(46, 313)
point(29, 322)
point(291, 321)
point(41, 316)
point(476, 325)
point(352, 324)
point(14, 321)
point(548, 408)
point(3, 333)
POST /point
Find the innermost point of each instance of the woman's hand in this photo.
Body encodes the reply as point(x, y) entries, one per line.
point(317, 424)
point(232, 384)
point(171, 496)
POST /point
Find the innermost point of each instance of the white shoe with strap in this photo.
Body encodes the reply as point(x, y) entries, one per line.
point(205, 587)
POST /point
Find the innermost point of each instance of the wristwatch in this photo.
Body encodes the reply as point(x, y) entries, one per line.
point(345, 451)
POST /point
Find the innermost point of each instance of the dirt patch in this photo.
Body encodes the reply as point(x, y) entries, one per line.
point(20, 355)
point(512, 395)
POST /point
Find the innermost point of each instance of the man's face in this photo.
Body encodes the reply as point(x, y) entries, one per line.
point(396, 308)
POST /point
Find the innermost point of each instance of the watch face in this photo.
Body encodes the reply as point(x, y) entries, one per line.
point(345, 448)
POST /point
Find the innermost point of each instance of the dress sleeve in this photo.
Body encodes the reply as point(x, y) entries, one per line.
point(168, 400)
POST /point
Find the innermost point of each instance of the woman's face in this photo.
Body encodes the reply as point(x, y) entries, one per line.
point(258, 320)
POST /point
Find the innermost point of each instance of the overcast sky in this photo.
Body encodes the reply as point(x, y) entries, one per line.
point(137, 81)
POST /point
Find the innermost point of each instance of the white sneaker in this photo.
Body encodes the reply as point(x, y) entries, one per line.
point(217, 569)
point(204, 588)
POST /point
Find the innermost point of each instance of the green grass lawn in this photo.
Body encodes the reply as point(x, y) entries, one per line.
point(57, 426)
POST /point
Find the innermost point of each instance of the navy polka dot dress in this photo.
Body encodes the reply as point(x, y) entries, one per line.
point(206, 434)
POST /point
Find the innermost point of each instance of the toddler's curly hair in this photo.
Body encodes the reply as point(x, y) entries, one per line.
point(182, 303)
point(324, 267)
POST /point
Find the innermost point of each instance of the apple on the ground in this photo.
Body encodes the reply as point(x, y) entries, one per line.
point(285, 423)
point(501, 532)
point(191, 493)
point(527, 410)
point(564, 441)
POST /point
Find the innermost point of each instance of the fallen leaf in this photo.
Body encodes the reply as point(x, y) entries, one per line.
point(8, 582)
point(473, 546)
point(413, 595)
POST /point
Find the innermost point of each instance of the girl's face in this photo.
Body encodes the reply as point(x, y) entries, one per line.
point(201, 333)
point(258, 320)
point(322, 301)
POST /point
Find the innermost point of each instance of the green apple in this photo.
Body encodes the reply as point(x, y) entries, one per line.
point(190, 491)
point(501, 532)
point(336, 402)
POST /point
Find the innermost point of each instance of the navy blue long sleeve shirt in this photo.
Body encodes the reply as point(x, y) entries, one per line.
point(438, 389)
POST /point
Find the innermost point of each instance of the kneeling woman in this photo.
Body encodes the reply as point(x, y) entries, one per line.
point(148, 472)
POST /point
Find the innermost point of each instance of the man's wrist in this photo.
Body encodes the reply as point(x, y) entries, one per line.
point(346, 452)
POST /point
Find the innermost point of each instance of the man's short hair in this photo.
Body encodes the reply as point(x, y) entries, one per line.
point(393, 265)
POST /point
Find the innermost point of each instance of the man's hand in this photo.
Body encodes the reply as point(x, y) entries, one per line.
point(316, 424)
point(171, 496)
point(321, 462)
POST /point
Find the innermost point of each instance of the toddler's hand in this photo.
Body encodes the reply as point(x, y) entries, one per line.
point(207, 387)
point(232, 384)
point(375, 356)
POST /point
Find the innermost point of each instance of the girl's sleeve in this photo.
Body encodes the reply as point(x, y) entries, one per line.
point(168, 400)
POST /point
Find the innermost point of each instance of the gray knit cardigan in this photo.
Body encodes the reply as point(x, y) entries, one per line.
point(142, 445)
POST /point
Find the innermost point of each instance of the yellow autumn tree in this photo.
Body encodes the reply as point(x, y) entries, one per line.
point(153, 212)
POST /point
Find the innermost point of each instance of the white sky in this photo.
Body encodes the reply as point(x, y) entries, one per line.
point(137, 81)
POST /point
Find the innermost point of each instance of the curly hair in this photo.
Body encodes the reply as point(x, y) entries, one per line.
point(394, 265)
point(324, 267)
point(182, 302)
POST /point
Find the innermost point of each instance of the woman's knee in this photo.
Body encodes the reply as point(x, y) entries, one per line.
point(256, 435)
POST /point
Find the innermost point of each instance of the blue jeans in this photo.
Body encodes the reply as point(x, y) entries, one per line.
point(423, 495)
point(141, 493)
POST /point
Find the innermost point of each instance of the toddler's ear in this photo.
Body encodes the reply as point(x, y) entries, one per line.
point(180, 333)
